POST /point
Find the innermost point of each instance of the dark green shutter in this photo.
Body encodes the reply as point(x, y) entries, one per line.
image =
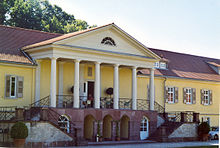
point(210, 97)
point(193, 96)
point(20, 83)
point(184, 95)
point(202, 96)
point(7, 86)
point(166, 94)
point(175, 94)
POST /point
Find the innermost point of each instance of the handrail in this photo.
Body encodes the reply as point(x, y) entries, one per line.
point(44, 101)
point(7, 112)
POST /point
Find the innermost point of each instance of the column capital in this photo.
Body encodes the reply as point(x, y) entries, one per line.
point(53, 58)
point(116, 65)
point(77, 60)
point(97, 62)
point(134, 67)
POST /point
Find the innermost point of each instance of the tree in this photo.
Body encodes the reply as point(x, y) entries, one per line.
point(26, 14)
point(5, 6)
point(39, 15)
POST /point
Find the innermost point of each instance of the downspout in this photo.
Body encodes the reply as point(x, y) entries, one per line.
point(164, 82)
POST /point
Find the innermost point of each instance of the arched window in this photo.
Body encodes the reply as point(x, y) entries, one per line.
point(108, 41)
point(63, 123)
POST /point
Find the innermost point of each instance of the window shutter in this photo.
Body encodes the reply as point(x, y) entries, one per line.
point(166, 94)
point(20, 83)
point(193, 96)
point(184, 95)
point(7, 86)
point(202, 96)
point(176, 94)
point(210, 97)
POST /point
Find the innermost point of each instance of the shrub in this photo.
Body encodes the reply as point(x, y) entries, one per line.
point(203, 128)
point(19, 131)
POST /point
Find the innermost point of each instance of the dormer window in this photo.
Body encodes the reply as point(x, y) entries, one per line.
point(108, 41)
point(156, 65)
point(160, 65)
point(163, 65)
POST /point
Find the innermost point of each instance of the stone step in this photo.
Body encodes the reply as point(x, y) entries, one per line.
point(120, 142)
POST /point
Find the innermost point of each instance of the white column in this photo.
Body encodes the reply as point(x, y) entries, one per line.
point(151, 89)
point(134, 88)
point(60, 92)
point(97, 85)
point(37, 81)
point(53, 82)
point(76, 85)
point(116, 86)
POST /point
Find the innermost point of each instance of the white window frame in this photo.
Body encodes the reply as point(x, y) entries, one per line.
point(171, 90)
point(163, 65)
point(15, 91)
point(156, 64)
point(189, 92)
point(206, 96)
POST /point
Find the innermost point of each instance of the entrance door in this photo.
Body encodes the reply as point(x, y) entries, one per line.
point(144, 129)
point(90, 89)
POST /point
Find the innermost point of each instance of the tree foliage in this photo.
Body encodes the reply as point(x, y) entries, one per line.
point(39, 15)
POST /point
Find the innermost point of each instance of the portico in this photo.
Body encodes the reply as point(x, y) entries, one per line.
point(127, 53)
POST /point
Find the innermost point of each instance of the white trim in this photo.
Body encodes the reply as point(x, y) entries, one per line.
point(190, 92)
point(173, 92)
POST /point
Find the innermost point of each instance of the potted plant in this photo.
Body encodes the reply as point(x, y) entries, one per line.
point(19, 133)
point(117, 138)
point(203, 131)
point(98, 136)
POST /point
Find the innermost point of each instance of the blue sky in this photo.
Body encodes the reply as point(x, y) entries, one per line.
point(186, 26)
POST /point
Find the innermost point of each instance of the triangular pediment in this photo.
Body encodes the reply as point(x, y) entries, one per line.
point(124, 43)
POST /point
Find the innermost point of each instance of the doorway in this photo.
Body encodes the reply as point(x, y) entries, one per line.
point(144, 129)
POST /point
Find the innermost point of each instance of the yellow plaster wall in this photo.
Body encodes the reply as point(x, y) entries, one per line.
point(125, 81)
point(68, 77)
point(107, 73)
point(28, 89)
point(45, 78)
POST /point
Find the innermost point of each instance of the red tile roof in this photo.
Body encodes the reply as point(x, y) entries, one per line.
point(186, 66)
point(14, 38)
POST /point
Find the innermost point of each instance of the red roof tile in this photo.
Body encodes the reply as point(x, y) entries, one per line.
point(14, 38)
point(186, 66)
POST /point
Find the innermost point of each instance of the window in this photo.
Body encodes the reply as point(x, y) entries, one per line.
point(63, 123)
point(89, 71)
point(108, 41)
point(206, 97)
point(14, 86)
point(170, 94)
point(156, 65)
point(163, 65)
point(188, 96)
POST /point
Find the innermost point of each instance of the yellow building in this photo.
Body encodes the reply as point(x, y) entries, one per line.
point(105, 67)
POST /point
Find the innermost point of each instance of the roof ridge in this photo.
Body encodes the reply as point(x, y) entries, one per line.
point(31, 30)
point(64, 36)
point(183, 53)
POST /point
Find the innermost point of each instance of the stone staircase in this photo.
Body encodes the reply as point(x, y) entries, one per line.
point(162, 133)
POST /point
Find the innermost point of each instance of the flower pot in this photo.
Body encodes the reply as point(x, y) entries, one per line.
point(117, 138)
point(205, 137)
point(19, 142)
